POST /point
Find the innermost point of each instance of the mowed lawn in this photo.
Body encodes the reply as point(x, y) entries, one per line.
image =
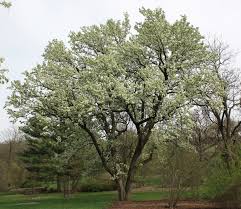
point(94, 200)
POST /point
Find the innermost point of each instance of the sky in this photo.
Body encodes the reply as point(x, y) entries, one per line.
point(28, 26)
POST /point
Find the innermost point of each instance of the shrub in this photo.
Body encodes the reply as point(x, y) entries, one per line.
point(3, 176)
point(223, 186)
point(96, 185)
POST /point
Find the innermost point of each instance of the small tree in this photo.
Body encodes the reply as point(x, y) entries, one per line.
point(225, 119)
point(12, 169)
point(56, 153)
point(12, 138)
point(180, 165)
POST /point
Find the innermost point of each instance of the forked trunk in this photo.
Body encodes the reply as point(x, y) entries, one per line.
point(172, 203)
point(124, 187)
point(122, 193)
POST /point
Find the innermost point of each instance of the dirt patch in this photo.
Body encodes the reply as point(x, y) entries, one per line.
point(163, 205)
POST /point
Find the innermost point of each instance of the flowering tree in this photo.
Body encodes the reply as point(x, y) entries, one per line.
point(110, 81)
point(5, 4)
point(3, 78)
point(2, 71)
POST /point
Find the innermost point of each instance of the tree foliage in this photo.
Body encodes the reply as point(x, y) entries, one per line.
point(6, 4)
point(3, 71)
point(3, 78)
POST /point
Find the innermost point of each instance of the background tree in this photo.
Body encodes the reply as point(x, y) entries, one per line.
point(204, 135)
point(12, 171)
point(56, 153)
point(179, 164)
point(225, 118)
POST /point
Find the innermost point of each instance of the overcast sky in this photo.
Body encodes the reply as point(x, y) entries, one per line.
point(28, 25)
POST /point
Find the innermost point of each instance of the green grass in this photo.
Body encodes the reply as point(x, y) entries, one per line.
point(56, 201)
point(94, 200)
point(152, 181)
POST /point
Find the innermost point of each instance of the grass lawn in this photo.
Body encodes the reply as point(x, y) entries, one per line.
point(97, 200)
point(56, 201)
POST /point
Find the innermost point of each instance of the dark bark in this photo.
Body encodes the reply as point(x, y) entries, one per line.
point(124, 185)
point(143, 127)
point(98, 149)
point(66, 181)
point(122, 194)
point(132, 167)
point(9, 164)
point(58, 182)
point(74, 184)
point(142, 140)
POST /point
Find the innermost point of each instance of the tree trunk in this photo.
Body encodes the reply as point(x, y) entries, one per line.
point(133, 164)
point(122, 194)
point(66, 186)
point(58, 182)
point(227, 156)
point(124, 186)
point(74, 184)
point(9, 164)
